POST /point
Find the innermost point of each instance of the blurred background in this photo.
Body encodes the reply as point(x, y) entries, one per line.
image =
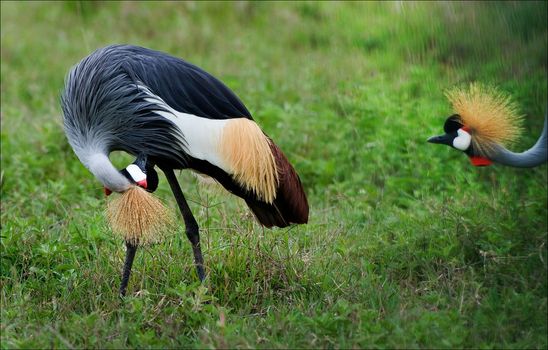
point(408, 245)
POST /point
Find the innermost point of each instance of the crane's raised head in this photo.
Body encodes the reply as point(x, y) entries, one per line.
point(484, 118)
point(459, 136)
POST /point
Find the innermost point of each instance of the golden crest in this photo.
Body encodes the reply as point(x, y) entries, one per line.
point(489, 113)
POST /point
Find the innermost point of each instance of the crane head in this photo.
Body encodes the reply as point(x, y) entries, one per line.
point(485, 120)
point(459, 136)
point(141, 173)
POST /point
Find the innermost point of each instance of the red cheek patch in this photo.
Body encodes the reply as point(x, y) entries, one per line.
point(480, 161)
point(107, 191)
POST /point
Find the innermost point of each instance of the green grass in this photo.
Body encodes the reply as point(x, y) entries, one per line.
point(408, 245)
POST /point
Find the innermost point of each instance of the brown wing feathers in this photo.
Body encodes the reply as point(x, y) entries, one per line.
point(290, 205)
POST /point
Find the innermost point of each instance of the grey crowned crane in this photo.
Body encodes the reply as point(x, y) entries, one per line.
point(171, 114)
point(486, 121)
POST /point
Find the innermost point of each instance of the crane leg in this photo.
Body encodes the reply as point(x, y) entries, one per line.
point(130, 255)
point(191, 226)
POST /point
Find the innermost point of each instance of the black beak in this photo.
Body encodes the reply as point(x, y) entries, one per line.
point(442, 139)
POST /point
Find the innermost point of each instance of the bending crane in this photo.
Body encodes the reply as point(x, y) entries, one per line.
point(171, 114)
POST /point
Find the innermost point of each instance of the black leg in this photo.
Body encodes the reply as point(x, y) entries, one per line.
point(192, 230)
point(130, 255)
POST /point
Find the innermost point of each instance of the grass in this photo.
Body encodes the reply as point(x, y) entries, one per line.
point(408, 245)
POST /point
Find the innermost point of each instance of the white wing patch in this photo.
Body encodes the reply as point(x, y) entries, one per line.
point(201, 135)
point(238, 146)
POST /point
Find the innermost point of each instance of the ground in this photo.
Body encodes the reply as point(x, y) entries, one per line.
point(408, 245)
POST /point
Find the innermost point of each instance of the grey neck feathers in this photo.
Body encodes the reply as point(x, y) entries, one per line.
point(534, 156)
point(99, 164)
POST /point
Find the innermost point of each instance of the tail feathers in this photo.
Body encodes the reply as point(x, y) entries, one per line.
point(290, 205)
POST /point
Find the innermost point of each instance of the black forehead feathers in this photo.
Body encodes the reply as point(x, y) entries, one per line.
point(452, 124)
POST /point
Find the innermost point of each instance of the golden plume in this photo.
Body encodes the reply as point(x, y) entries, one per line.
point(247, 151)
point(489, 113)
point(138, 216)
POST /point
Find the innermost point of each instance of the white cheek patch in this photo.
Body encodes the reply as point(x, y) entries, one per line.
point(462, 142)
point(136, 173)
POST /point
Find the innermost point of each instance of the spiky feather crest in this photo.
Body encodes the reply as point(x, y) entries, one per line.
point(491, 115)
point(138, 216)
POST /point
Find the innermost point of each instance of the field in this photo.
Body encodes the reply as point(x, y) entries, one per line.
point(408, 245)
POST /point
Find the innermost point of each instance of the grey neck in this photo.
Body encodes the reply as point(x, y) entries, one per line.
point(534, 156)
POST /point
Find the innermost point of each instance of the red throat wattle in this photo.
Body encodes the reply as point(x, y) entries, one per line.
point(480, 161)
point(142, 183)
point(477, 160)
